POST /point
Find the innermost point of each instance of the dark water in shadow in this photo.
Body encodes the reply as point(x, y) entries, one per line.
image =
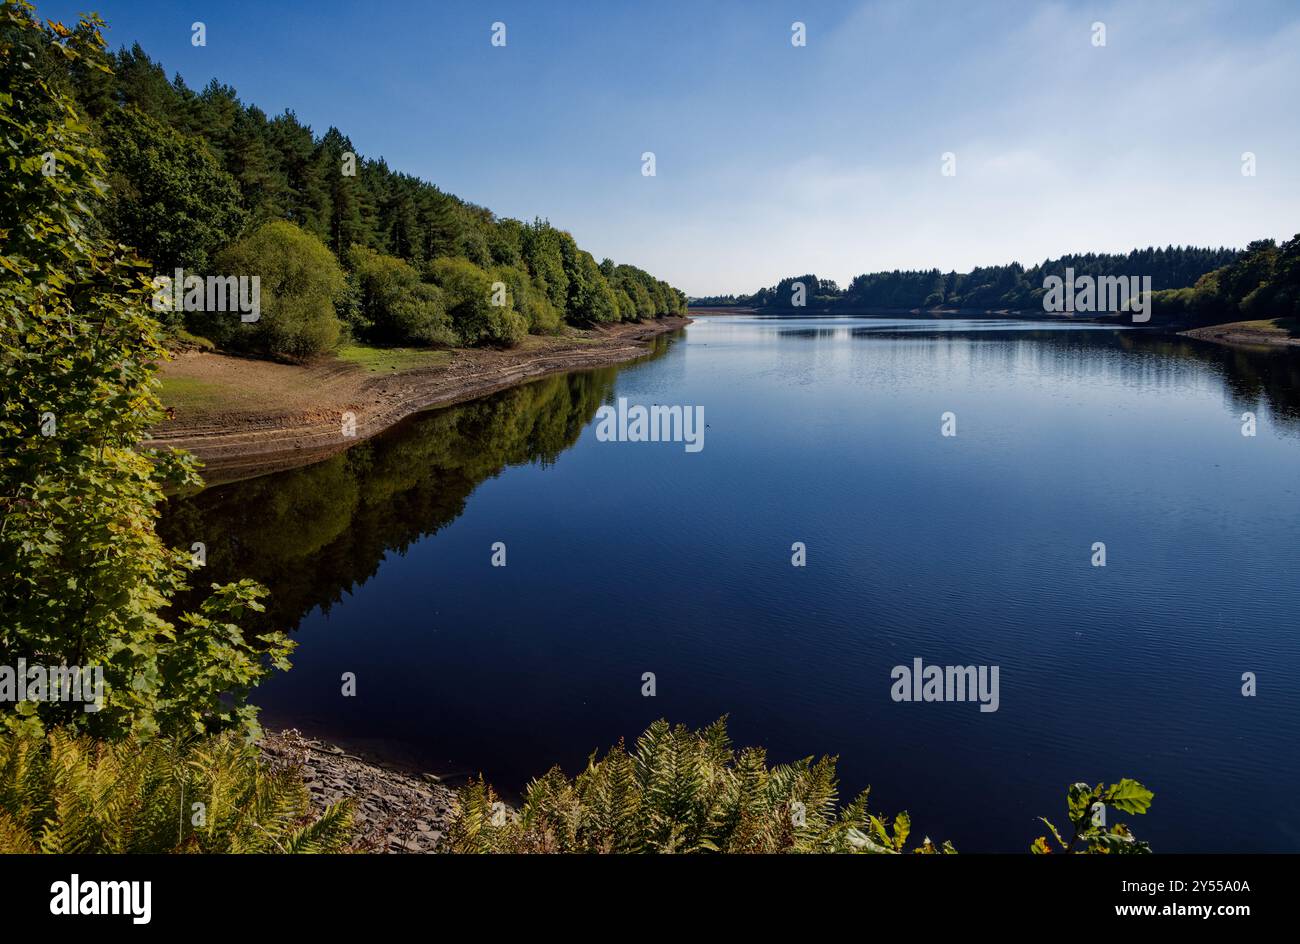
point(625, 558)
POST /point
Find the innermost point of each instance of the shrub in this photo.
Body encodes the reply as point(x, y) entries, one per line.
point(590, 299)
point(540, 246)
point(72, 794)
point(626, 306)
point(467, 291)
point(680, 791)
point(393, 305)
point(300, 283)
point(529, 299)
point(182, 340)
point(646, 297)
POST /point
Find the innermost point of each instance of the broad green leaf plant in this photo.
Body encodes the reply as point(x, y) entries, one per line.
point(86, 580)
point(1087, 808)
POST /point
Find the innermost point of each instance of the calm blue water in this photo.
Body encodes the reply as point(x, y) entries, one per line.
point(625, 558)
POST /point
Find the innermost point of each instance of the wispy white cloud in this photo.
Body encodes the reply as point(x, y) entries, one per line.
point(1061, 146)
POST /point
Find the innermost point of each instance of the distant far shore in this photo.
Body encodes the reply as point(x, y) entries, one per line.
point(938, 314)
point(1278, 332)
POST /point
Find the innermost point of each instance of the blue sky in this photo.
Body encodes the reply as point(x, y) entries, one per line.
point(774, 160)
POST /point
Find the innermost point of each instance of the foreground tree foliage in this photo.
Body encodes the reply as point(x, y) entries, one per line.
point(87, 579)
point(680, 790)
point(72, 794)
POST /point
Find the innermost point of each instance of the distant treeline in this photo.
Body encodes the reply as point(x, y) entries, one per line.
point(994, 288)
point(203, 182)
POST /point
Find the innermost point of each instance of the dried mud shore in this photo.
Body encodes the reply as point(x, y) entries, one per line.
point(265, 416)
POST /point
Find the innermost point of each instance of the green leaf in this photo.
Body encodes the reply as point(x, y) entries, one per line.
point(1129, 796)
point(1055, 831)
point(1079, 800)
point(902, 829)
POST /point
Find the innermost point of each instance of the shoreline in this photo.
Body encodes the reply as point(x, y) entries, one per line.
point(238, 435)
point(1234, 334)
point(931, 314)
point(395, 810)
point(1229, 334)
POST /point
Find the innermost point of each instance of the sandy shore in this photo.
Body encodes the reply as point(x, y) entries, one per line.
point(266, 416)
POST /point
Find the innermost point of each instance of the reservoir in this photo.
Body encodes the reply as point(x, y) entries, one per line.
point(973, 549)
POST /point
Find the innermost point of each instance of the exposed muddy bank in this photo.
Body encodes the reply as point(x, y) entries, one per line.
point(278, 416)
point(1233, 334)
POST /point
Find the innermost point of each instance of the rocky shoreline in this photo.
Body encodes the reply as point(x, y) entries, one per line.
point(394, 811)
